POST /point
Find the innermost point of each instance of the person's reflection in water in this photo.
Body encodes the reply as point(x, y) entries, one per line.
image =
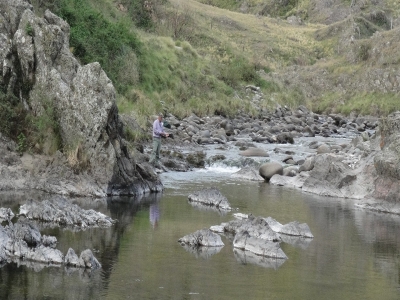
point(154, 215)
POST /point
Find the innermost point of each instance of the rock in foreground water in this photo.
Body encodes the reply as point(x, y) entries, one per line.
point(212, 197)
point(22, 241)
point(255, 227)
point(258, 246)
point(61, 211)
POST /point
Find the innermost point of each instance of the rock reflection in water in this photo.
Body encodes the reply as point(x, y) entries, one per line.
point(247, 257)
point(202, 252)
point(296, 241)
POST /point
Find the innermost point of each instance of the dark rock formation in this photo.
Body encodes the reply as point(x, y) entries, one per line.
point(37, 66)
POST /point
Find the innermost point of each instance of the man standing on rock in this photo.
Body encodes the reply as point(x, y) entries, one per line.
point(158, 132)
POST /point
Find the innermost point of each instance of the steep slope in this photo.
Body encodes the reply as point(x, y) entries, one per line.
point(38, 69)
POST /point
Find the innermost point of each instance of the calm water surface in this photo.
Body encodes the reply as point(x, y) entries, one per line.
point(354, 255)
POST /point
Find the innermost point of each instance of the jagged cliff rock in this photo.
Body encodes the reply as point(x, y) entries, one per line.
point(37, 66)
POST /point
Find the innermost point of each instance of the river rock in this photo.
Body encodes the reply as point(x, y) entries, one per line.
point(203, 237)
point(254, 226)
point(254, 152)
point(292, 228)
point(49, 241)
point(332, 177)
point(61, 211)
point(308, 164)
point(248, 173)
point(23, 241)
point(258, 246)
point(44, 254)
point(293, 182)
point(71, 259)
point(323, 148)
point(211, 196)
point(89, 260)
point(290, 171)
point(269, 169)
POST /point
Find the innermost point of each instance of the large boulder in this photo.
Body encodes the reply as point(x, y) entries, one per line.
point(269, 169)
point(387, 161)
point(332, 177)
point(37, 66)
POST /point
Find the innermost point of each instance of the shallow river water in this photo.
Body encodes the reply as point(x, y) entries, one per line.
point(354, 253)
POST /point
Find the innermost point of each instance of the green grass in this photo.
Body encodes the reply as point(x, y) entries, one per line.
point(372, 104)
point(95, 38)
point(377, 104)
point(189, 57)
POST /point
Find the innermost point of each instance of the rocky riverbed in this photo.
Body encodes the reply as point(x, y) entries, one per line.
point(347, 157)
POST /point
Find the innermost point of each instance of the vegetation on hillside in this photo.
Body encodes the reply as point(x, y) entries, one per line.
point(184, 57)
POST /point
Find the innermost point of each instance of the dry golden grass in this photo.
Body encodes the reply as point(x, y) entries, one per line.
point(272, 43)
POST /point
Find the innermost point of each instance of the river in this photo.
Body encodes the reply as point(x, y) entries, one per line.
point(354, 253)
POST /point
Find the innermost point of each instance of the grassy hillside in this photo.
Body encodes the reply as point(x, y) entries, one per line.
point(197, 56)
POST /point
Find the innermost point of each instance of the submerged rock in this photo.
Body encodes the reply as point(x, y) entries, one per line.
point(203, 237)
point(211, 196)
point(293, 228)
point(252, 151)
point(61, 211)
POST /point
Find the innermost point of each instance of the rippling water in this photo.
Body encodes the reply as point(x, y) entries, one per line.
point(354, 255)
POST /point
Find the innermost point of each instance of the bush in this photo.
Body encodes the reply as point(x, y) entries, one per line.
point(94, 38)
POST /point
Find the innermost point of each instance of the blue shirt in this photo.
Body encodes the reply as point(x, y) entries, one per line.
point(157, 128)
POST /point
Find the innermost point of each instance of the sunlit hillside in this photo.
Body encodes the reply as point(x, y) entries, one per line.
point(188, 56)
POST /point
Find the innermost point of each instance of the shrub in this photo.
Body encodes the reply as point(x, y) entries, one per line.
point(94, 38)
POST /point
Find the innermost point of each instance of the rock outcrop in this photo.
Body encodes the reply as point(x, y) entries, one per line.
point(37, 66)
point(62, 212)
point(22, 241)
point(367, 169)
